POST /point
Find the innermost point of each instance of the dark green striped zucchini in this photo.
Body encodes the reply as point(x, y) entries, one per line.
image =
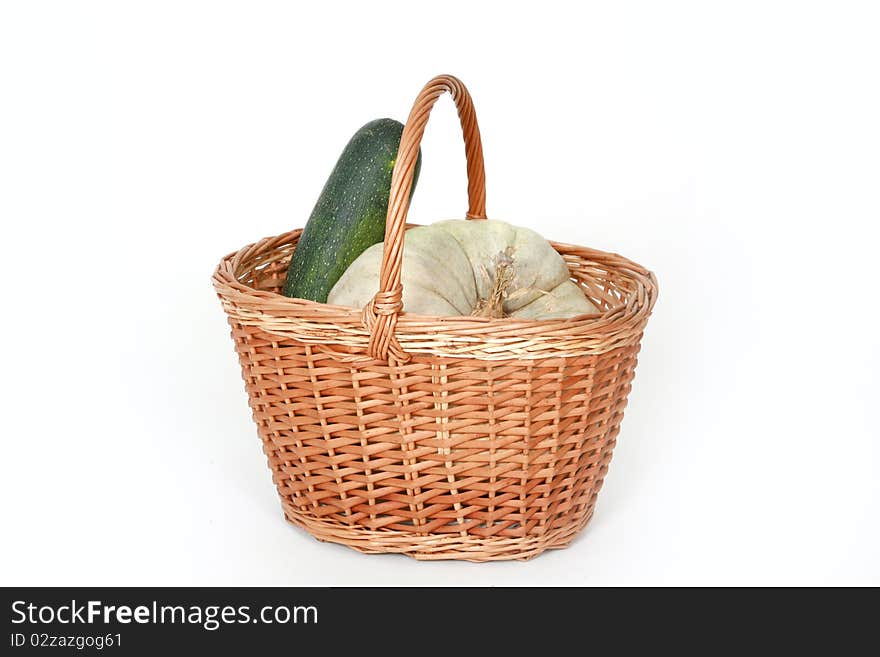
point(350, 213)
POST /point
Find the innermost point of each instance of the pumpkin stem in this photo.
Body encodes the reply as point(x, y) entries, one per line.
point(493, 305)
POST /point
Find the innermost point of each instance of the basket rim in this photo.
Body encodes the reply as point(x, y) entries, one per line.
point(323, 324)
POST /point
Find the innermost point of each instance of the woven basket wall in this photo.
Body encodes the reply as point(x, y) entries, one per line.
point(457, 437)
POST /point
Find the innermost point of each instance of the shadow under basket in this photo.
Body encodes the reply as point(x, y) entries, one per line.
point(436, 437)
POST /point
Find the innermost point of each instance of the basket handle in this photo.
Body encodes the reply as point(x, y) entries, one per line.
point(380, 315)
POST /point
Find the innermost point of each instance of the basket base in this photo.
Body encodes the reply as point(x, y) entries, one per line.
point(435, 547)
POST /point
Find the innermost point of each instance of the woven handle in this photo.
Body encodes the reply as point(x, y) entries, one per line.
point(380, 315)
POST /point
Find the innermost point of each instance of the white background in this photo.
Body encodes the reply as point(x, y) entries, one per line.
point(733, 148)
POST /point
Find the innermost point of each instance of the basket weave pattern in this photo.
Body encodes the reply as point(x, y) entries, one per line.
point(456, 437)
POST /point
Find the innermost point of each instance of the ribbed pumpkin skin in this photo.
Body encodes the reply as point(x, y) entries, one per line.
point(350, 213)
point(451, 267)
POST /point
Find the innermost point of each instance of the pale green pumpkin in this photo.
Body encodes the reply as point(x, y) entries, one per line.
point(457, 267)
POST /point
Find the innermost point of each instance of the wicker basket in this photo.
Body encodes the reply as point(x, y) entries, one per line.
point(437, 437)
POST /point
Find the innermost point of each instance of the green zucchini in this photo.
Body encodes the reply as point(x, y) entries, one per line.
point(350, 213)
